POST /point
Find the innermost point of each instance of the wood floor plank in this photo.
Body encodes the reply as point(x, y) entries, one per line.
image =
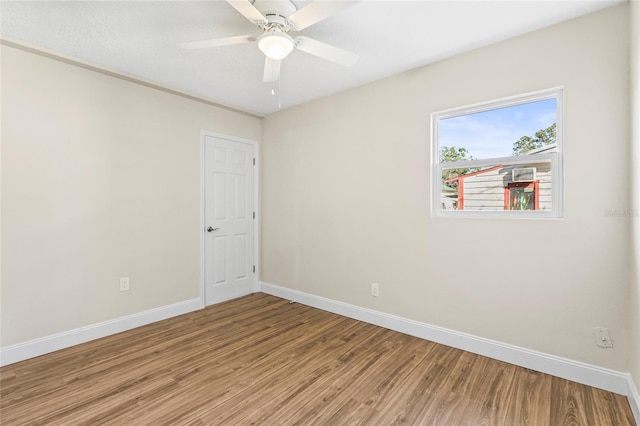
point(530, 402)
point(356, 382)
point(262, 360)
point(304, 393)
point(488, 382)
point(270, 391)
point(608, 407)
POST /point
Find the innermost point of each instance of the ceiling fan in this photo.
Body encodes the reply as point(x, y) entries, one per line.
point(276, 18)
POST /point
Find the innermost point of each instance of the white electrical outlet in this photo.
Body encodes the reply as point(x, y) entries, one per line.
point(374, 290)
point(124, 284)
point(603, 339)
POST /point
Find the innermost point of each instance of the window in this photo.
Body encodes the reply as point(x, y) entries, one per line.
point(499, 159)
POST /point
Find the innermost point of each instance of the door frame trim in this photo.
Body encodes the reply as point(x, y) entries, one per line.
point(256, 228)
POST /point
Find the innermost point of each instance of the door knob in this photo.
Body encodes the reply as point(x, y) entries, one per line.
point(210, 229)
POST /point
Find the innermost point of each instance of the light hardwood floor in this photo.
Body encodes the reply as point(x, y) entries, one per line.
point(263, 360)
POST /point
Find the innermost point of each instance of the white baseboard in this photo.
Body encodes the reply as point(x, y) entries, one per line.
point(598, 377)
point(634, 399)
point(44, 345)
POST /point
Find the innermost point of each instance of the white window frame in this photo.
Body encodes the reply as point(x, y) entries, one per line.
point(555, 159)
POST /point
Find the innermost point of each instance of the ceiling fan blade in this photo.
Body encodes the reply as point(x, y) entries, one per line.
point(271, 70)
point(248, 10)
point(225, 41)
point(316, 11)
point(326, 51)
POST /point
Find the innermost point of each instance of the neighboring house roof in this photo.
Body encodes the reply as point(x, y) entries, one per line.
point(479, 172)
point(550, 147)
point(546, 148)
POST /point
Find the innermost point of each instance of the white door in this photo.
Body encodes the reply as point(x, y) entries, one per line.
point(228, 219)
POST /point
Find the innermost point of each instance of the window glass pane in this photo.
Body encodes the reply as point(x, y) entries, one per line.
point(503, 132)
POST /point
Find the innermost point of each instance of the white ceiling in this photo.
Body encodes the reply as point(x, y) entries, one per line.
point(140, 39)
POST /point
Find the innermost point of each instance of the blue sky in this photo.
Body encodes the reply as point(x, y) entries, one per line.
point(491, 134)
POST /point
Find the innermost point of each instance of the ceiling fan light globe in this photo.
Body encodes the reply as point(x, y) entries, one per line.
point(276, 46)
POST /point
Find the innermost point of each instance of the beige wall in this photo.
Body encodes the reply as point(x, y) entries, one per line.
point(634, 354)
point(100, 179)
point(345, 198)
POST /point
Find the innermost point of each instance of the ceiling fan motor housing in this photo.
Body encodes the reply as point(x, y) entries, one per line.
point(276, 12)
